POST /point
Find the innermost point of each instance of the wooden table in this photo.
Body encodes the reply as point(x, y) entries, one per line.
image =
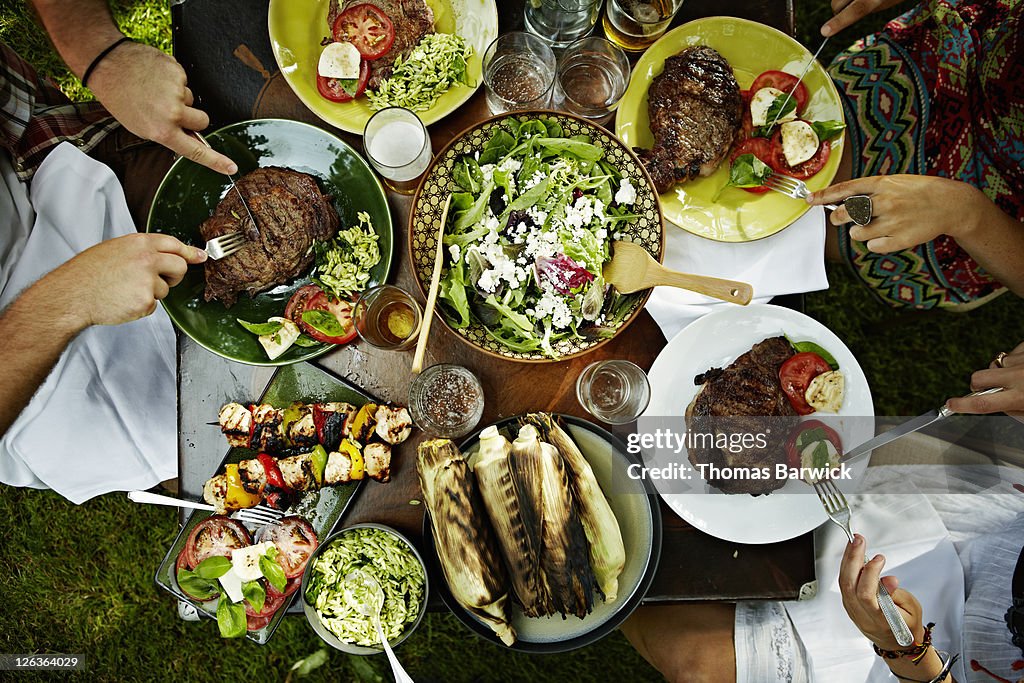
point(225, 49)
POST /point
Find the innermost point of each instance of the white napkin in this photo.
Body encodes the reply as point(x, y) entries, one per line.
point(902, 525)
point(788, 262)
point(106, 417)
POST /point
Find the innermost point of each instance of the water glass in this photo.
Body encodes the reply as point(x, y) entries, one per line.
point(398, 147)
point(592, 77)
point(614, 391)
point(519, 70)
point(560, 22)
point(387, 317)
point(446, 401)
point(634, 25)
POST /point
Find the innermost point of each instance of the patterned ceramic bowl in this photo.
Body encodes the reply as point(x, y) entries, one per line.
point(437, 184)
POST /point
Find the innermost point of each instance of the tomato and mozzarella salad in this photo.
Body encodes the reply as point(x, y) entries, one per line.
point(811, 380)
point(359, 35)
point(777, 136)
point(245, 583)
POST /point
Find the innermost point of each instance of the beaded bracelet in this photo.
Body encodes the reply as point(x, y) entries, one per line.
point(100, 56)
point(947, 667)
point(916, 652)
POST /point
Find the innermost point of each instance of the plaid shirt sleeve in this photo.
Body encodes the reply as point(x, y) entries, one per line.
point(35, 116)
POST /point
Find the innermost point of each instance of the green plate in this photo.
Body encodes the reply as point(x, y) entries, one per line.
point(751, 48)
point(323, 509)
point(189, 193)
point(297, 27)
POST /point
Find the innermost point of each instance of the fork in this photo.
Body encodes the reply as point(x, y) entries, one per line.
point(791, 187)
point(258, 515)
point(838, 510)
point(225, 245)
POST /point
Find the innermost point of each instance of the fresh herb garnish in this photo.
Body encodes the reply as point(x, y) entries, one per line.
point(261, 329)
point(826, 130)
point(231, 618)
point(324, 322)
point(272, 570)
point(213, 567)
point(195, 586)
point(255, 594)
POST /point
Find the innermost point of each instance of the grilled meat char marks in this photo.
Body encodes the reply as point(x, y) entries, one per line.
point(737, 399)
point(291, 212)
point(412, 19)
point(695, 111)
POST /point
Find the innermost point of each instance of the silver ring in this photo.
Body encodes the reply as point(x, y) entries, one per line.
point(859, 208)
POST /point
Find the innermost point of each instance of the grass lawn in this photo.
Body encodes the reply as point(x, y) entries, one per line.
point(78, 579)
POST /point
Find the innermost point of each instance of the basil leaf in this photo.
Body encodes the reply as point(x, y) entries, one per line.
point(231, 619)
point(826, 130)
point(349, 85)
point(305, 341)
point(811, 347)
point(810, 436)
point(197, 587)
point(261, 329)
point(213, 567)
point(272, 570)
point(819, 456)
point(324, 322)
point(254, 592)
point(748, 171)
point(780, 108)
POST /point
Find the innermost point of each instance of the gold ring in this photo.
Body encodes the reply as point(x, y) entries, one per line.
point(999, 359)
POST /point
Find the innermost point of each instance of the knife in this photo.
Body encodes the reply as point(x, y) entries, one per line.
point(245, 205)
point(909, 427)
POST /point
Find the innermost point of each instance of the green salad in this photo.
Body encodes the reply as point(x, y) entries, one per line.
point(530, 228)
point(388, 560)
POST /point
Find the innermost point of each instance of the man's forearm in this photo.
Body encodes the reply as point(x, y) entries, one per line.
point(36, 328)
point(80, 29)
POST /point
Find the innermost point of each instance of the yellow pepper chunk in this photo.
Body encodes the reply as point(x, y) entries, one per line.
point(237, 498)
point(364, 422)
point(355, 454)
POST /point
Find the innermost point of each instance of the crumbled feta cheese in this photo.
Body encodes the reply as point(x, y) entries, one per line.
point(533, 180)
point(455, 252)
point(487, 170)
point(579, 214)
point(553, 304)
point(510, 164)
point(487, 282)
point(537, 215)
point(626, 193)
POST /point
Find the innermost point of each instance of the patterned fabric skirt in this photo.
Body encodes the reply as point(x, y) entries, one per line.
point(939, 91)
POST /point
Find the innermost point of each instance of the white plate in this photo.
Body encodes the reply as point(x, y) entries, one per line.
point(716, 340)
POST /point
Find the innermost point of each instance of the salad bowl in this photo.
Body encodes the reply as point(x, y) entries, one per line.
point(518, 319)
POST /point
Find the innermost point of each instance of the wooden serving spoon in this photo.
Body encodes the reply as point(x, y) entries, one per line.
point(632, 268)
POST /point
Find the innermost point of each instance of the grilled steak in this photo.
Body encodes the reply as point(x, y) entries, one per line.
point(744, 398)
point(412, 20)
point(695, 110)
point(291, 212)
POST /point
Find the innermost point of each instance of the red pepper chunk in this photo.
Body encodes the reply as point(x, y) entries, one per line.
point(319, 420)
point(273, 472)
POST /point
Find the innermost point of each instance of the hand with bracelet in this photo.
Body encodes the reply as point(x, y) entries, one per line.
point(858, 584)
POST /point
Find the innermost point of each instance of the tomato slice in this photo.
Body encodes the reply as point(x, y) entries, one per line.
point(793, 455)
point(298, 301)
point(215, 536)
point(182, 563)
point(255, 623)
point(332, 89)
point(368, 28)
point(270, 605)
point(760, 148)
point(780, 80)
point(295, 540)
point(340, 309)
point(289, 588)
point(777, 160)
point(796, 374)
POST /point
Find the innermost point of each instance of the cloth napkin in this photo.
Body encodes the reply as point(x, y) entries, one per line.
point(788, 262)
point(106, 417)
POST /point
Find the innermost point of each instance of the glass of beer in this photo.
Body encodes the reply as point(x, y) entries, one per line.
point(387, 317)
point(634, 25)
point(398, 147)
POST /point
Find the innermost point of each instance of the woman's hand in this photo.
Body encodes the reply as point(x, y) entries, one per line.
point(908, 210)
point(848, 13)
point(858, 583)
point(1010, 376)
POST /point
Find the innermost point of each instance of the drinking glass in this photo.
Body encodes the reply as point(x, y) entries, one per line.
point(387, 317)
point(613, 391)
point(561, 21)
point(592, 77)
point(446, 401)
point(519, 70)
point(634, 24)
point(398, 147)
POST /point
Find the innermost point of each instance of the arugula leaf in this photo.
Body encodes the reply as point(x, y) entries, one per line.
point(254, 592)
point(213, 567)
point(808, 346)
point(323, 322)
point(195, 586)
point(500, 144)
point(261, 329)
point(467, 175)
point(826, 130)
point(305, 341)
point(231, 619)
point(476, 212)
point(554, 128)
point(581, 149)
point(272, 571)
point(453, 292)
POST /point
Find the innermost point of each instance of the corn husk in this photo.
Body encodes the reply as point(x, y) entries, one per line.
point(607, 551)
point(549, 514)
point(463, 536)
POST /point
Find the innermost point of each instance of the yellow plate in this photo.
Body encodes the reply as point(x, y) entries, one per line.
point(751, 48)
point(297, 27)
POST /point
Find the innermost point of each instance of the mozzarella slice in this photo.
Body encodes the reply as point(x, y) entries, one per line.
point(282, 340)
point(339, 60)
point(799, 142)
point(825, 392)
point(232, 585)
point(762, 101)
point(245, 562)
point(807, 456)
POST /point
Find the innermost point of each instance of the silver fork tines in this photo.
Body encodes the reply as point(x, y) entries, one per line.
point(225, 245)
point(259, 515)
point(838, 510)
point(791, 187)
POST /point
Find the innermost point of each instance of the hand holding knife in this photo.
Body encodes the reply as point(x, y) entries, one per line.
point(245, 205)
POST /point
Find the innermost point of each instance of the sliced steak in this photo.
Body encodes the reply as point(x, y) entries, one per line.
point(291, 212)
point(412, 20)
point(744, 398)
point(695, 111)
